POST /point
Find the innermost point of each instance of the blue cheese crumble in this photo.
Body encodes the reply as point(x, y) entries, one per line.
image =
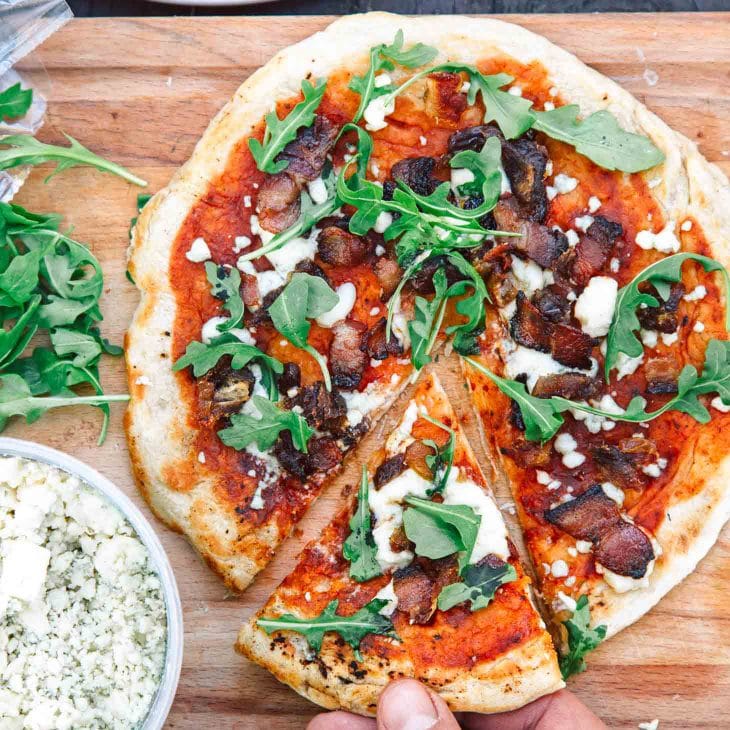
point(82, 615)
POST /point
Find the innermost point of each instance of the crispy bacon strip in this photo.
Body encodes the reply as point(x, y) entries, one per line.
point(347, 359)
point(339, 247)
point(590, 254)
point(389, 469)
point(664, 317)
point(566, 344)
point(573, 386)
point(376, 346)
point(619, 545)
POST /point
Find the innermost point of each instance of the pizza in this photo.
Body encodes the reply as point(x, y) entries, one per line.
point(434, 590)
point(393, 186)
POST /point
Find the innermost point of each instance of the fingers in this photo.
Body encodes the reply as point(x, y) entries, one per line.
point(340, 721)
point(560, 711)
point(408, 705)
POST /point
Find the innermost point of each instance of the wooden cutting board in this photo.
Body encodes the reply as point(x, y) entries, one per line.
point(141, 91)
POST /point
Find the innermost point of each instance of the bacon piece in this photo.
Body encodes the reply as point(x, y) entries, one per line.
point(307, 153)
point(389, 470)
point(566, 344)
point(661, 374)
point(524, 163)
point(620, 464)
point(472, 138)
point(573, 386)
point(591, 253)
point(625, 550)
point(389, 275)
point(339, 247)
point(528, 453)
point(324, 410)
point(376, 346)
point(417, 174)
point(223, 390)
point(399, 541)
point(347, 359)
point(664, 317)
point(620, 546)
point(552, 304)
point(587, 516)
point(442, 99)
point(278, 202)
point(541, 244)
point(309, 267)
point(416, 593)
point(422, 281)
point(290, 378)
point(323, 455)
point(415, 455)
point(250, 291)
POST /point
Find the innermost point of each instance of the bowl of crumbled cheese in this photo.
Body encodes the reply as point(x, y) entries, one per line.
point(90, 619)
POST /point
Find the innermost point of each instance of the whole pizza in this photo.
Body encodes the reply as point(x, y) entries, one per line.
point(390, 189)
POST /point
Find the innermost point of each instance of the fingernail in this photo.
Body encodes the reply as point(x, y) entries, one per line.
point(407, 705)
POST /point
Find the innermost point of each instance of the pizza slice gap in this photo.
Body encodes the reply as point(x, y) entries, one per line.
point(415, 577)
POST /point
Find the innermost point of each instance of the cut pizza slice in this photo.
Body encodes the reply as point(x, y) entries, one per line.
point(416, 577)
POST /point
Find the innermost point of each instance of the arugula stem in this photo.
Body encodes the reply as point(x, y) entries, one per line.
point(431, 339)
point(322, 362)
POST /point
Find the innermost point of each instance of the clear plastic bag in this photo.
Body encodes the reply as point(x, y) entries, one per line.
point(24, 24)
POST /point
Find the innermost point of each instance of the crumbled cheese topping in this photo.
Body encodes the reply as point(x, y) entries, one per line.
point(346, 301)
point(596, 304)
point(198, 252)
point(699, 292)
point(376, 111)
point(665, 241)
point(82, 616)
point(564, 183)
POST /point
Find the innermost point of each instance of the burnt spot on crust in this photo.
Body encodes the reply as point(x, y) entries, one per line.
point(619, 545)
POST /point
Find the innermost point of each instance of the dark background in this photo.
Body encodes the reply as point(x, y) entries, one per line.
point(86, 8)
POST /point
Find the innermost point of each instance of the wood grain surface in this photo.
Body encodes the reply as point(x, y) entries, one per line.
point(141, 92)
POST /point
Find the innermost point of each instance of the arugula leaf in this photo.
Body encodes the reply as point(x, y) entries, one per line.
point(540, 416)
point(359, 548)
point(442, 460)
point(304, 297)
point(203, 357)
point(15, 102)
point(84, 347)
point(485, 166)
point(245, 429)
point(279, 132)
point(600, 138)
point(225, 284)
point(428, 316)
point(14, 340)
point(353, 629)
point(581, 639)
point(457, 524)
point(22, 149)
point(382, 58)
point(17, 400)
point(479, 586)
point(511, 113)
point(660, 275)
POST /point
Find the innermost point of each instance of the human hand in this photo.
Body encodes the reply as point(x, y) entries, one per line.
point(409, 705)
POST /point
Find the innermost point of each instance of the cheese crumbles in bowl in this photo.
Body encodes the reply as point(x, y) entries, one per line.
point(90, 628)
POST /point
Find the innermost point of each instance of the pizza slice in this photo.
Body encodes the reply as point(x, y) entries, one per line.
point(415, 577)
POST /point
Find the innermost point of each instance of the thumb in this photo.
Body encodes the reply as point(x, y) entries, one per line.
point(408, 705)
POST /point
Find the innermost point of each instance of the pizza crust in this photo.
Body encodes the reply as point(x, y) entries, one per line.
point(160, 442)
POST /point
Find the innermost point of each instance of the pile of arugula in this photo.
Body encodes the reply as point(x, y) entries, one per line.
point(50, 285)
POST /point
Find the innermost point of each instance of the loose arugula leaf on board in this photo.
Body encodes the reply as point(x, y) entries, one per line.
point(442, 460)
point(600, 138)
point(581, 639)
point(353, 629)
point(85, 348)
point(17, 400)
point(22, 149)
point(246, 429)
point(660, 275)
point(478, 587)
point(540, 415)
point(304, 297)
point(225, 284)
point(203, 357)
point(15, 102)
point(14, 340)
point(279, 132)
point(383, 58)
point(455, 522)
point(142, 200)
point(359, 548)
